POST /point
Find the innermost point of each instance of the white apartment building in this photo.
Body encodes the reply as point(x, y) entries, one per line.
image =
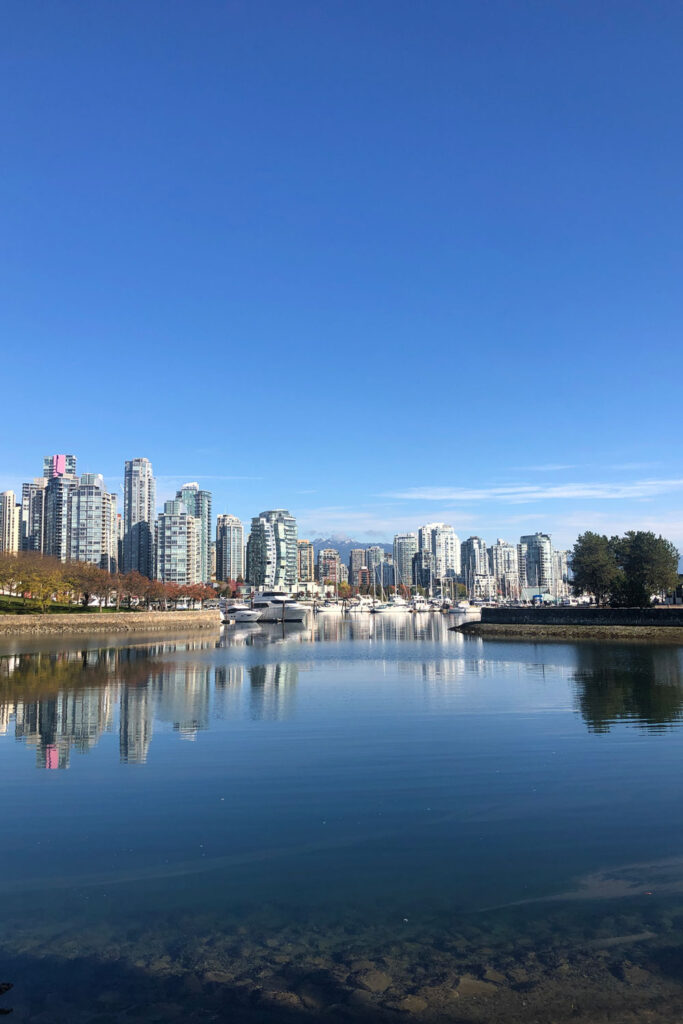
point(10, 519)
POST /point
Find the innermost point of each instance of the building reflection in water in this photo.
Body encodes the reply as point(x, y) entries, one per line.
point(227, 695)
point(66, 721)
point(272, 690)
point(136, 724)
point(49, 699)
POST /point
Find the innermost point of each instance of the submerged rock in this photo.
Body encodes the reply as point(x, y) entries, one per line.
point(374, 981)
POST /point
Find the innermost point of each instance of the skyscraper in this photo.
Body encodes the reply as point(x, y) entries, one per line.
point(357, 561)
point(475, 560)
point(536, 560)
point(503, 559)
point(178, 543)
point(405, 546)
point(374, 556)
point(92, 523)
point(198, 504)
point(443, 542)
point(229, 548)
point(10, 517)
point(328, 566)
point(504, 565)
point(33, 514)
point(272, 550)
point(59, 465)
point(423, 569)
point(139, 511)
point(60, 473)
point(306, 561)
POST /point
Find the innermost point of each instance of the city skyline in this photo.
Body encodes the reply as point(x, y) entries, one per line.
point(624, 499)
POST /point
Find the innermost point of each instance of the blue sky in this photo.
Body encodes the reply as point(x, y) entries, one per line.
point(378, 262)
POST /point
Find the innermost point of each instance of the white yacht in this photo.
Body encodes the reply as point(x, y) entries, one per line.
point(395, 604)
point(330, 608)
point(420, 604)
point(279, 606)
point(238, 612)
point(361, 605)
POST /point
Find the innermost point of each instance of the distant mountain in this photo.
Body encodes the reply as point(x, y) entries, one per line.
point(344, 545)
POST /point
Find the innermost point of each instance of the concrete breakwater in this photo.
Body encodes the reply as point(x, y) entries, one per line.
point(573, 622)
point(108, 622)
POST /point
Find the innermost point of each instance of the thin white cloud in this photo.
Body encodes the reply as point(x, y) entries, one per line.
point(549, 467)
point(522, 493)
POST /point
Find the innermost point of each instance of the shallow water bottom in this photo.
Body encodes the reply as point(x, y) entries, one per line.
point(565, 960)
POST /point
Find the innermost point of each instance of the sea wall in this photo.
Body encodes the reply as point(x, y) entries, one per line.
point(108, 622)
point(584, 616)
point(573, 623)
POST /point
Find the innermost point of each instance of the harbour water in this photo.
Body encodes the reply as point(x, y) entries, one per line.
point(356, 820)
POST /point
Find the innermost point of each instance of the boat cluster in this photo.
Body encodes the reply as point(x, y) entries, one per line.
point(278, 606)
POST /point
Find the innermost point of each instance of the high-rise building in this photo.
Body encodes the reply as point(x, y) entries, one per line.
point(328, 566)
point(198, 504)
point(139, 511)
point(92, 523)
point(357, 561)
point(60, 473)
point(179, 545)
point(405, 546)
point(374, 556)
point(59, 465)
point(444, 543)
point(384, 572)
point(504, 567)
point(561, 574)
point(229, 548)
point(272, 550)
point(503, 559)
point(10, 518)
point(306, 561)
point(475, 560)
point(119, 538)
point(535, 555)
point(424, 573)
point(33, 515)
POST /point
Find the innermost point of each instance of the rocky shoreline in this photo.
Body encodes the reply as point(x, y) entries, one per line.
point(108, 622)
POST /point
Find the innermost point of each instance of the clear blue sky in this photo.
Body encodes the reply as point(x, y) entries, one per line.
point(378, 262)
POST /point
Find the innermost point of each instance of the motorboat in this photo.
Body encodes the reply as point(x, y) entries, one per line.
point(395, 604)
point(279, 606)
point(330, 608)
point(362, 605)
point(420, 604)
point(238, 612)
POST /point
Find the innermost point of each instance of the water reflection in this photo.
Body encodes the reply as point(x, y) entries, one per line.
point(65, 701)
point(272, 690)
point(54, 707)
point(337, 628)
point(640, 684)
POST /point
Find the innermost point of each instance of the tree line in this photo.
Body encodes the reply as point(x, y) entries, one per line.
point(39, 580)
point(624, 572)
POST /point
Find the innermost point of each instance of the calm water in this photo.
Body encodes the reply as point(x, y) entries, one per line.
point(355, 820)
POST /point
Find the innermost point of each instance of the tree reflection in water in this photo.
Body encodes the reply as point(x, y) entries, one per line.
point(641, 684)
